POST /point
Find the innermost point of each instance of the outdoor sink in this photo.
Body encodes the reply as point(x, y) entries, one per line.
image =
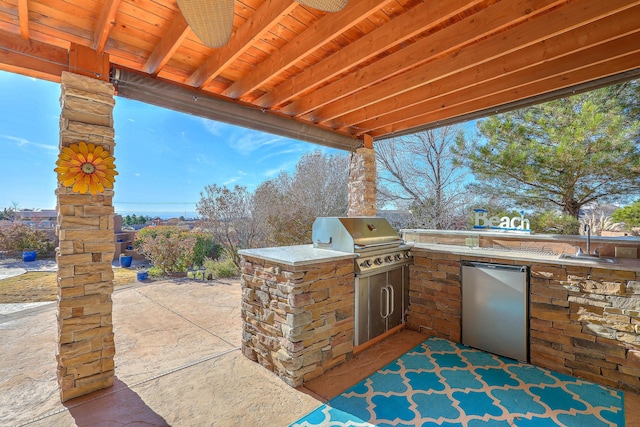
point(589, 258)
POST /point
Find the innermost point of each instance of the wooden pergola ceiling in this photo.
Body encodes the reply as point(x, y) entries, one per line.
point(378, 67)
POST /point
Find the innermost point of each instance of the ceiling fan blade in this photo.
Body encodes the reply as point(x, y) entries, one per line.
point(210, 20)
point(325, 5)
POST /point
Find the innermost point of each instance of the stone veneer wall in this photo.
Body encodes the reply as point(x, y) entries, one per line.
point(85, 228)
point(298, 322)
point(362, 183)
point(584, 321)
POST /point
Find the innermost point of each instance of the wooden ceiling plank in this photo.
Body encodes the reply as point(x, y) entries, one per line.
point(32, 58)
point(168, 45)
point(69, 24)
point(23, 18)
point(105, 24)
point(518, 37)
point(490, 20)
point(397, 31)
point(410, 104)
point(605, 66)
point(256, 27)
point(318, 34)
point(559, 65)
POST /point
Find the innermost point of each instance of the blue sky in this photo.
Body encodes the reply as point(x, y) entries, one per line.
point(164, 158)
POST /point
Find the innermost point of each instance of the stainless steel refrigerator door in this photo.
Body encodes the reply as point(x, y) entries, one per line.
point(495, 309)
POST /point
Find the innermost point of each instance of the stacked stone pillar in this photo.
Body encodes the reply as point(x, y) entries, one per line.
point(362, 183)
point(85, 229)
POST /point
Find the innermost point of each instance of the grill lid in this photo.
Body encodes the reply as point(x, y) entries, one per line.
point(350, 234)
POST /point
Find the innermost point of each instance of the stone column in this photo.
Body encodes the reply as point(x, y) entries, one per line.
point(362, 183)
point(85, 228)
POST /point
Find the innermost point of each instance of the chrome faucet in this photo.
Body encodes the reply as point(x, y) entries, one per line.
point(587, 229)
point(579, 253)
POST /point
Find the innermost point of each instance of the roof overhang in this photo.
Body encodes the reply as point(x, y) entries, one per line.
point(378, 68)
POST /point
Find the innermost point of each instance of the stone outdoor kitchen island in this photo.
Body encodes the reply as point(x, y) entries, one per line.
point(297, 310)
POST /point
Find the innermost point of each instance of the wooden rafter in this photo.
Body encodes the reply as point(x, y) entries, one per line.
point(399, 30)
point(318, 34)
point(170, 42)
point(397, 66)
point(256, 27)
point(23, 15)
point(511, 64)
point(574, 77)
point(105, 23)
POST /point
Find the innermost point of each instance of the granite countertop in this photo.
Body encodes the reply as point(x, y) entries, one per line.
point(626, 264)
point(297, 255)
point(560, 238)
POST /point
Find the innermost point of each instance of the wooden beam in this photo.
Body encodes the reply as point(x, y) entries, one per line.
point(320, 33)
point(412, 103)
point(32, 58)
point(605, 66)
point(105, 24)
point(23, 18)
point(168, 45)
point(532, 31)
point(265, 18)
point(88, 62)
point(417, 20)
point(446, 41)
point(367, 141)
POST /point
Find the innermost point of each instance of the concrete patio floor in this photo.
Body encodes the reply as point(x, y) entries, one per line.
point(178, 363)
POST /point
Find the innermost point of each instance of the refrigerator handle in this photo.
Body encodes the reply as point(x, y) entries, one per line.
point(391, 301)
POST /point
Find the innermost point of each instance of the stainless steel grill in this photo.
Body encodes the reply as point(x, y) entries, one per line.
point(374, 239)
point(382, 273)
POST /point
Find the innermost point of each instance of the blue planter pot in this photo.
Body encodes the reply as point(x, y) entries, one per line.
point(125, 261)
point(142, 275)
point(28, 256)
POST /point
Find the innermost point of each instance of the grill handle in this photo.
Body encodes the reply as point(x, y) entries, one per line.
point(388, 301)
point(384, 301)
point(324, 245)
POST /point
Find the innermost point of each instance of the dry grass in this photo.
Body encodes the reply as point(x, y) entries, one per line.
point(36, 286)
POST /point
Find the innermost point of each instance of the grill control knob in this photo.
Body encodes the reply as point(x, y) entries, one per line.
point(388, 258)
point(366, 263)
point(398, 257)
point(378, 261)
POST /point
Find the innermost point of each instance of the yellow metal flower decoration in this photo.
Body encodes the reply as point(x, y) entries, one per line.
point(88, 167)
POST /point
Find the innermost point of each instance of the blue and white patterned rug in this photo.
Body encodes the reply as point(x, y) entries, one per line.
point(441, 383)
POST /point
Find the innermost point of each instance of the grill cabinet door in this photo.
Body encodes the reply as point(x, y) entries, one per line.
point(377, 304)
point(396, 284)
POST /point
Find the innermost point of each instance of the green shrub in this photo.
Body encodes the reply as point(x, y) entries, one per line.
point(155, 272)
point(169, 249)
point(18, 237)
point(205, 248)
point(218, 269)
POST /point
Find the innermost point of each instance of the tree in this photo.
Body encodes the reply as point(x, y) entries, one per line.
point(289, 203)
point(629, 215)
point(229, 216)
point(562, 154)
point(170, 249)
point(417, 173)
point(8, 214)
